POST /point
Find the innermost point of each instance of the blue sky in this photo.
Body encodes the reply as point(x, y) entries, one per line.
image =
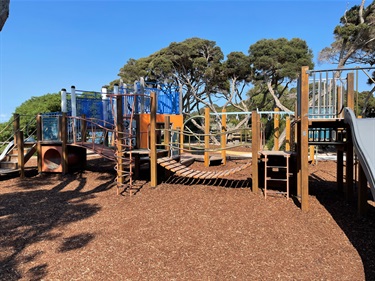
point(49, 45)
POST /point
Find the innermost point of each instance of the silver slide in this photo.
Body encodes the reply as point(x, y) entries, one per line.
point(6, 150)
point(363, 134)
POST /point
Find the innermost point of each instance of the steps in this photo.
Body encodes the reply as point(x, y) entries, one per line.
point(10, 161)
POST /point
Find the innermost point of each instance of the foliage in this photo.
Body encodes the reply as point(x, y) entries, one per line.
point(366, 108)
point(28, 111)
point(354, 38)
point(276, 64)
point(194, 63)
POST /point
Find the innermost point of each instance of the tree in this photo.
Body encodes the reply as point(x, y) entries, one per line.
point(354, 38)
point(276, 64)
point(28, 111)
point(239, 73)
point(195, 64)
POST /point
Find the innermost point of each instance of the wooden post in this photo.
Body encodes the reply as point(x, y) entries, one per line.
point(21, 155)
point(153, 152)
point(304, 141)
point(340, 170)
point(83, 128)
point(39, 143)
point(180, 139)
point(276, 126)
point(206, 136)
point(255, 141)
point(223, 136)
point(167, 134)
point(16, 126)
point(64, 140)
point(349, 186)
point(120, 141)
point(312, 154)
point(350, 93)
point(349, 142)
point(287, 134)
point(362, 191)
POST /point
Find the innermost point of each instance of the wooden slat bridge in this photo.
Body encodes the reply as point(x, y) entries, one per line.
point(183, 171)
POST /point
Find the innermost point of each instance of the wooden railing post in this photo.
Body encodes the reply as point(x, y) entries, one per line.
point(255, 142)
point(167, 134)
point(349, 142)
point(206, 136)
point(39, 143)
point(153, 152)
point(64, 140)
point(287, 134)
point(276, 124)
point(21, 155)
point(16, 126)
point(83, 128)
point(223, 136)
point(303, 142)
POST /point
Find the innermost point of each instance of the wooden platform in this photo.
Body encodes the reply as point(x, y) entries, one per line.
point(183, 171)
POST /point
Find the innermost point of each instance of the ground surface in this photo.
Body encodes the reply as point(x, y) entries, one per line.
point(74, 227)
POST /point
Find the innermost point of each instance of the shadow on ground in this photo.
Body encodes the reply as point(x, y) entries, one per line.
point(31, 214)
point(359, 230)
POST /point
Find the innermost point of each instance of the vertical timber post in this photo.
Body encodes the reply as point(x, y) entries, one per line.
point(20, 148)
point(206, 136)
point(16, 126)
point(287, 134)
point(153, 152)
point(39, 141)
point(362, 191)
point(255, 140)
point(312, 154)
point(223, 136)
point(64, 140)
point(340, 169)
point(304, 141)
point(276, 126)
point(349, 142)
point(167, 134)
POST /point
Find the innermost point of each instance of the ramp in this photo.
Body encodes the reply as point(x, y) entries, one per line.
point(363, 134)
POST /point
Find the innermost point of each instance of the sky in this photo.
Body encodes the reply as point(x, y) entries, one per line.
point(49, 45)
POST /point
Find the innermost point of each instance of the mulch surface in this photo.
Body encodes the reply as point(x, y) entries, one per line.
point(75, 227)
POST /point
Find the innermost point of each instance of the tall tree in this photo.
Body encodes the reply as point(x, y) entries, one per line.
point(195, 64)
point(277, 64)
point(354, 38)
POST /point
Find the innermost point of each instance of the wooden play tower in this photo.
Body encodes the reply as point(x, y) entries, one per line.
point(319, 120)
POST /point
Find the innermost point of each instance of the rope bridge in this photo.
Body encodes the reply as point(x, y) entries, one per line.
point(183, 171)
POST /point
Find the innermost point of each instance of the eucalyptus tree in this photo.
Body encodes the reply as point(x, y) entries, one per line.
point(354, 41)
point(354, 38)
point(276, 63)
point(238, 73)
point(195, 64)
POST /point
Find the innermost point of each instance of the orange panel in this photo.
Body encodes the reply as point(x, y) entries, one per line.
point(144, 120)
point(51, 158)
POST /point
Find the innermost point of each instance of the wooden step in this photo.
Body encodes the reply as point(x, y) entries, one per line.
point(8, 165)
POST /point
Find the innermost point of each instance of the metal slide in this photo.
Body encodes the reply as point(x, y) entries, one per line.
point(6, 150)
point(363, 134)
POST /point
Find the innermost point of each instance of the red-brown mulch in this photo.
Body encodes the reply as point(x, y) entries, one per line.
point(74, 227)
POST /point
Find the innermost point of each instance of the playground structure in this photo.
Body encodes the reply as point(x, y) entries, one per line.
point(133, 125)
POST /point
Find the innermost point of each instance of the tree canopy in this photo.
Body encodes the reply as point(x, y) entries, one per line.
point(276, 64)
point(354, 37)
